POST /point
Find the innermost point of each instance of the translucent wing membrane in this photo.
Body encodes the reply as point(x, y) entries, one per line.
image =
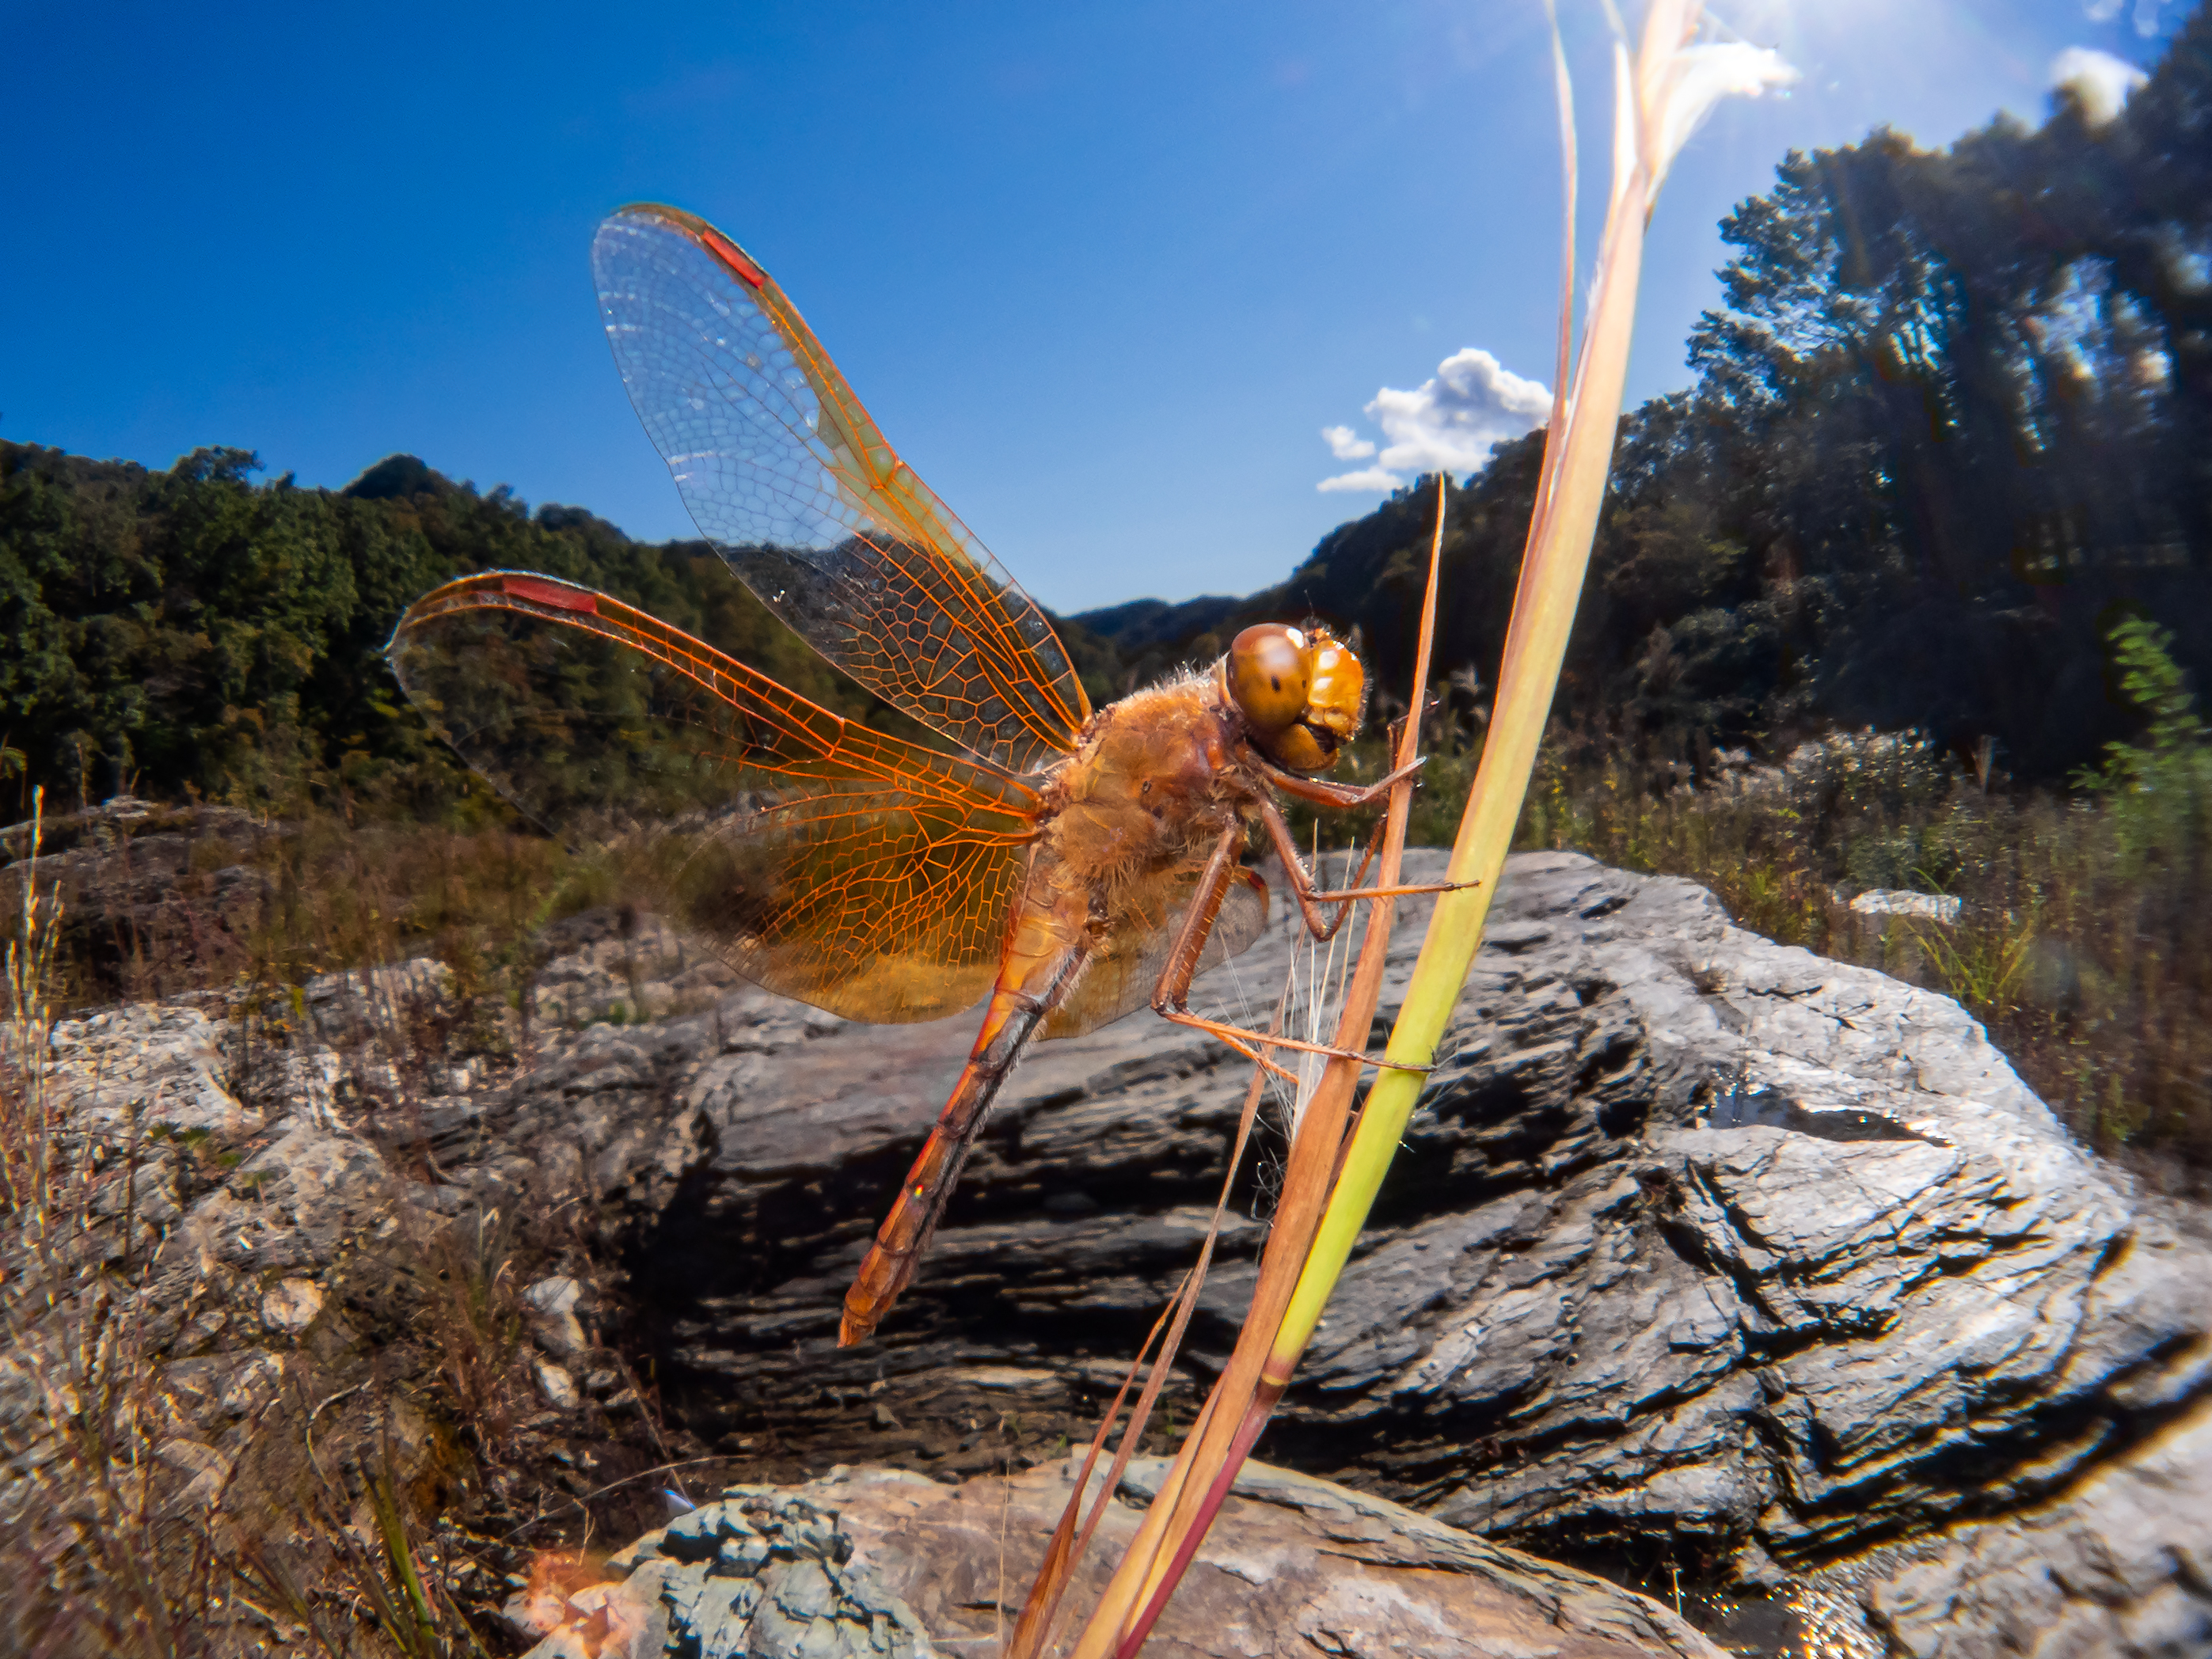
point(789, 477)
point(856, 871)
point(1140, 933)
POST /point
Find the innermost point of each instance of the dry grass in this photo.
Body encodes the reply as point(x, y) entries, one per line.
point(278, 905)
point(2080, 943)
point(123, 1528)
point(89, 1531)
point(2077, 944)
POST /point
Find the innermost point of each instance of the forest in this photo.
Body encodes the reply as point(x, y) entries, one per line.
point(1952, 419)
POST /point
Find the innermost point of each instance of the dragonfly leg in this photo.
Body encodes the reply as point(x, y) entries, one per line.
point(1336, 794)
point(1172, 996)
point(1233, 1036)
point(1243, 1041)
point(1310, 898)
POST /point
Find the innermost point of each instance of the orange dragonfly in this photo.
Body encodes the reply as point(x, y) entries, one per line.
point(1071, 865)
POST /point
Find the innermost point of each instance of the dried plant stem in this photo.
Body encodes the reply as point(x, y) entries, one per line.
point(1654, 110)
point(27, 1171)
point(1660, 99)
point(1569, 493)
point(1067, 1548)
point(1208, 1463)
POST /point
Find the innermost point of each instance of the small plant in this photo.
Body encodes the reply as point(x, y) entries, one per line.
point(1982, 967)
point(2158, 789)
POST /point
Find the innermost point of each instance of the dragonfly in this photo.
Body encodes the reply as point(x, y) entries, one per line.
point(1061, 865)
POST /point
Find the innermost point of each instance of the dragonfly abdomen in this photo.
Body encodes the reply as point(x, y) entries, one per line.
point(1046, 949)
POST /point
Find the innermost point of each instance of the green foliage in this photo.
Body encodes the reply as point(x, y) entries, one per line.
point(2159, 788)
point(193, 632)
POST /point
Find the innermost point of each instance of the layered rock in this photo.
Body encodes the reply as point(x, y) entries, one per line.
point(1694, 1237)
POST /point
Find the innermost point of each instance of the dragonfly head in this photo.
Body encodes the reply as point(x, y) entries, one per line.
point(1301, 694)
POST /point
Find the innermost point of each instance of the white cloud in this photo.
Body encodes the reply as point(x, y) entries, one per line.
point(1449, 423)
point(1346, 444)
point(2103, 11)
point(1454, 419)
point(1367, 478)
point(2099, 79)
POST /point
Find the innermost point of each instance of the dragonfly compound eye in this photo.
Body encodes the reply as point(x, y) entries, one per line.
point(1338, 694)
point(1268, 674)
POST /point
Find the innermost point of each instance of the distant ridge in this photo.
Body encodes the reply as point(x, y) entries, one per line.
point(1140, 624)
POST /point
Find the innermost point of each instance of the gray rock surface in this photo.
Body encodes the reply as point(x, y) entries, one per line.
point(260, 1217)
point(2118, 1566)
point(1694, 1234)
point(882, 1562)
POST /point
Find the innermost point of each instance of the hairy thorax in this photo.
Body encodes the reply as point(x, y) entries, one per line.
point(1151, 785)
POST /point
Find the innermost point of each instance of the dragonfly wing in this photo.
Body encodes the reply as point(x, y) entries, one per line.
point(791, 480)
point(855, 871)
point(1140, 933)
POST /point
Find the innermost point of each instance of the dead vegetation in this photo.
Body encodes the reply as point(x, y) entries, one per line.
point(204, 1453)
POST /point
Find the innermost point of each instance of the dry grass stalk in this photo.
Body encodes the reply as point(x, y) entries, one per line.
point(88, 1529)
point(125, 1530)
point(1065, 1550)
point(1217, 1444)
point(25, 1129)
point(1661, 98)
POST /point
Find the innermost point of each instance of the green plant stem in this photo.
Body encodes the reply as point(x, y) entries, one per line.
point(1568, 496)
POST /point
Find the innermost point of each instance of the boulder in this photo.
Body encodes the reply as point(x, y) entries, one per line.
point(1705, 1254)
point(883, 1562)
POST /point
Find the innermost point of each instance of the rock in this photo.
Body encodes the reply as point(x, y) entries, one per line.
point(552, 1302)
point(2120, 1568)
point(880, 1562)
point(558, 1294)
point(352, 1008)
point(1896, 902)
point(1701, 1249)
point(558, 1387)
point(143, 907)
point(257, 1222)
point(209, 1471)
point(1699, 1244)
point(291, 1305)
point(154, 1070)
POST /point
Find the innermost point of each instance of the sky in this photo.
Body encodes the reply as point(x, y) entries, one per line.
point(1129, 284)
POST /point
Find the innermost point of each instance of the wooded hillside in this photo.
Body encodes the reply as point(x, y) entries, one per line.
point(1952, 422)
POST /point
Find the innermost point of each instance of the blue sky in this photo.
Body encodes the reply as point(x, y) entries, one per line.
point(1104, 273)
